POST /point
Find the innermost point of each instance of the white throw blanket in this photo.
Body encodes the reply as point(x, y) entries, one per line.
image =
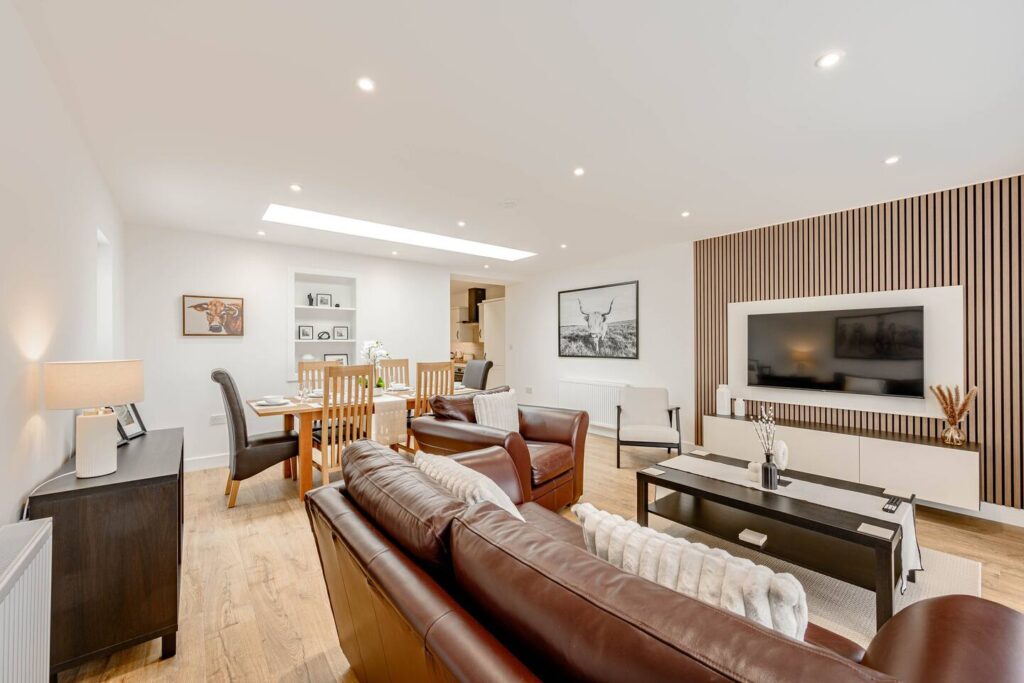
point(777, 601)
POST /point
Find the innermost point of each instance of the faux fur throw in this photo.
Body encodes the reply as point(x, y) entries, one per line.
point(710, 575)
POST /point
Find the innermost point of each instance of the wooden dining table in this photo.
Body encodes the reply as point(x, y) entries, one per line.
point(306, 412)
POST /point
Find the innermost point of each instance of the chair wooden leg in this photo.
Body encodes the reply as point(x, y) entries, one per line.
point(234, 493)
point(295, 469)
point(618, 456)
point(227, 486)
point(287, 467)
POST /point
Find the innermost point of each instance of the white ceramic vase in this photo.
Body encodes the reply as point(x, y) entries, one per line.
point(739, 407)
point(780, 452)
point(723, 404)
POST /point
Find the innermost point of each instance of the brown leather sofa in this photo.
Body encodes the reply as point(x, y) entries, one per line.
point(547, 450)
point(424, 588)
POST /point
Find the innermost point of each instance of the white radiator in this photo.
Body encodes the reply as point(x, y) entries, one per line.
point(25, 568)
point(597, 397)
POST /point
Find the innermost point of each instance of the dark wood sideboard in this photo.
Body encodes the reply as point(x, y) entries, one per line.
point(117, 543)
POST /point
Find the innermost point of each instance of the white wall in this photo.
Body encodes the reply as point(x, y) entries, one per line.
point(406, 305)
point(665, 328)
point(52, 202)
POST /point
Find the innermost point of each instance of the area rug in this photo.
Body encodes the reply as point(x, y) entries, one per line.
point(843, 608)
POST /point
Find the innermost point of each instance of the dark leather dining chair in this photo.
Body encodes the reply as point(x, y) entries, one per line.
point(249, 455)
point(475, 374)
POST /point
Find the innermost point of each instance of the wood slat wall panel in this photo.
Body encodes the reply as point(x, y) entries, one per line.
point(969, 236)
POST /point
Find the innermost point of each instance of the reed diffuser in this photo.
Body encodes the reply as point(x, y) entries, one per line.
point(764, 427)
point(955, 409)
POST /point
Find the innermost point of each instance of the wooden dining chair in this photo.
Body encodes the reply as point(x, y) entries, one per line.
point(346, 417)
point(431, 379)
point(311, 373)
point(394, 371)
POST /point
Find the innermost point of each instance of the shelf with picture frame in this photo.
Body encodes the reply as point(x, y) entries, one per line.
point(322, 301)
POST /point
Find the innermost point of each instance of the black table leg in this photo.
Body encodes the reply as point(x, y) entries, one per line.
point(884, 583)
point(641, 501)
point(168, 645)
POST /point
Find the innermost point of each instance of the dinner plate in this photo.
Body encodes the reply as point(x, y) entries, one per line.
point(269, 404)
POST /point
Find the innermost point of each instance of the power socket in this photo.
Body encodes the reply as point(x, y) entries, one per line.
point(218, 419)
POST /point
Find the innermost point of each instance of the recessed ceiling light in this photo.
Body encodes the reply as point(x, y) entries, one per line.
point(828, 60)
point(892, 160)
point(486, 266)
point(461, 224)
point(304, 218)
point(366, 84)
point(578, 171)
point(394, 253)
point(295, 188)
point(261, 233)
point(564, 246)
point(685, 214)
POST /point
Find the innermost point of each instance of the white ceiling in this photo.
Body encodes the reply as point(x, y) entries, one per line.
point(202, 112)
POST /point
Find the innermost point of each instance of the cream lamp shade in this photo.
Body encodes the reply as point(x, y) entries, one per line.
point(92, 384)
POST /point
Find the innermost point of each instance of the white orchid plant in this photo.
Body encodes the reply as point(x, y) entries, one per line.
point(374, 352)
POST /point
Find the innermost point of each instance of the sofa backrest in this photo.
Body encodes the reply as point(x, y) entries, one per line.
point(459, 406)
point(571, 616)
point(395, 622)
point(407, 505)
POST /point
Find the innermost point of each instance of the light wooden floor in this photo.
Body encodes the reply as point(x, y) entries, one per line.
point(254, 606)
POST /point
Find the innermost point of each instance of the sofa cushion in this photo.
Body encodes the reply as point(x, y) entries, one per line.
point(649, 434)
point(464, 483)
point(500, 411)
point(571, 616)
point(415, 511)
point(548, 460)
point(552, 523)
point(459, 406)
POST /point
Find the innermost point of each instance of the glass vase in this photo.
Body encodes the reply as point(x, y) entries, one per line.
point(953, 435)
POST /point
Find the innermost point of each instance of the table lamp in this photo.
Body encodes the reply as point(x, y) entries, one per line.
point(92, 386)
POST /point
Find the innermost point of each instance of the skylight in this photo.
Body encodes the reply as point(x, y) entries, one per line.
point(304, 218)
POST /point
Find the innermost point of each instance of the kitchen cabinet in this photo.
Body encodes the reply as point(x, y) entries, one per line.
point(463, 331)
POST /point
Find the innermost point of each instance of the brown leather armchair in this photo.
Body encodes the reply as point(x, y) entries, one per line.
point(547, 450)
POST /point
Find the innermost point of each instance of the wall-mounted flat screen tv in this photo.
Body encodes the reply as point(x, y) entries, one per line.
point(878, 351)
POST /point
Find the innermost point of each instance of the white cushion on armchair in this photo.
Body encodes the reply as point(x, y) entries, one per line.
point(645, 416)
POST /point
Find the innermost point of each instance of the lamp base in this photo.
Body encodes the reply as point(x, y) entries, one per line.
point(95, 443)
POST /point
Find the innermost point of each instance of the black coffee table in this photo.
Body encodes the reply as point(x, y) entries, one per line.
point(824, 539)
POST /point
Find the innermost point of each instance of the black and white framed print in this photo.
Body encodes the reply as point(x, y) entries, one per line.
point(600, 322)
point(305, 332)
point(339, 358)
point(341, 332)
point(129, 422)
point(324, 300)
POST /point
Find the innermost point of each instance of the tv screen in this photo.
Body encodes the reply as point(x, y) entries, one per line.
point(878, 351)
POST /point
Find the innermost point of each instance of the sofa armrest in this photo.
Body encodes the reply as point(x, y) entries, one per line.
point(496, 464)
point(950, 638)
point(558, 425)
point(447, 437)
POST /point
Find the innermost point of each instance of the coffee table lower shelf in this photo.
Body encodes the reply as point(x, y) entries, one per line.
point(824, 543)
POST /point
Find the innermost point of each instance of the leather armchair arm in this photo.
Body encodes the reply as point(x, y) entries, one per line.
point(496, 464)
point(447, 437)
point(950, 638)
point(558, 425)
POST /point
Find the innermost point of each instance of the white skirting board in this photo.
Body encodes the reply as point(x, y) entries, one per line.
point(206, 462)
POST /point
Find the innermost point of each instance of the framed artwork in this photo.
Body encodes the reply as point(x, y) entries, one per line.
point(305, 332)
point(212, 316)
point(324, 300)
point(599, 322)
point(339, 358)
point(341, 332)
point(129, 422)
